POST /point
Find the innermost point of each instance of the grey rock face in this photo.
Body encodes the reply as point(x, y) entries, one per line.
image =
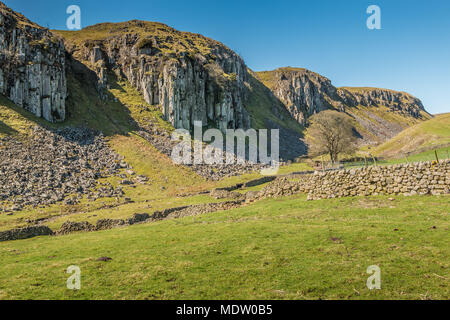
point(401, 102)
point(32, 71)
point(305, 93)
point(188, 85)
point(189, 90)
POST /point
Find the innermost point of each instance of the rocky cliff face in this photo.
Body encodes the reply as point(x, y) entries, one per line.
point(396, 101)
point(305, 93)
point(192, 78)
point(32, 72)
point(188, 76)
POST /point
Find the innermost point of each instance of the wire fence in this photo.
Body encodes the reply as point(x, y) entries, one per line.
point(369, 160)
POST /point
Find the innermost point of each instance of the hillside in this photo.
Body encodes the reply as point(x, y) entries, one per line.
point(427, 135)
point(378, 114)
point(136, 81)
point(187, 76)
point(191, 78)
point(303, 92)
point(214, 85)
point(179, 78)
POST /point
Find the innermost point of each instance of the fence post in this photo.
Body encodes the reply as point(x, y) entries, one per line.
point(435, 153)
point(374, 160)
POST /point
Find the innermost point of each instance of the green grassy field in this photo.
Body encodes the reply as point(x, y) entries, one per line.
point(274, 249)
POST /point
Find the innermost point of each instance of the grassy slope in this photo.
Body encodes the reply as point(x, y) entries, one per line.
point(278, 248)
point(417, 143)
point(117, 120)
point(371, 113)
point(365, 89)
point(267, 77)
point(15, 120)
point(433, 133)
point(281, 248)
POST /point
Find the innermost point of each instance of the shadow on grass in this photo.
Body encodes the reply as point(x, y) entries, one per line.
point(5, 129)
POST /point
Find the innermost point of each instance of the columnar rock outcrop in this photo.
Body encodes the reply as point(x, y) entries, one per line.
point(406, 179)
point(192, 78)
point(32, 62)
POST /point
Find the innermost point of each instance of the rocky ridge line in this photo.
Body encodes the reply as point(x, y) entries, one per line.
point(305, 93)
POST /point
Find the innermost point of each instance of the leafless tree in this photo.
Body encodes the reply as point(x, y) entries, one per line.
point(330, 132)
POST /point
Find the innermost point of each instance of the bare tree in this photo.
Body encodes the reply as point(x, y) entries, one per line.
point(330, 132)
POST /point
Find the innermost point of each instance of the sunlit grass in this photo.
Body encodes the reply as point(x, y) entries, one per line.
point(275, 249)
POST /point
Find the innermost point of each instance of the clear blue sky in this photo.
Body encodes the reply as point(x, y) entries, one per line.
point(410, 53)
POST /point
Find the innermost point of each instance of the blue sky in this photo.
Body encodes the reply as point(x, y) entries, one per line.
point(410, 53)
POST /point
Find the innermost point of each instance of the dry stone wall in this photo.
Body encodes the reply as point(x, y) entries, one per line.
point(25, 233)
point(406, 179)
point(104, 224)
